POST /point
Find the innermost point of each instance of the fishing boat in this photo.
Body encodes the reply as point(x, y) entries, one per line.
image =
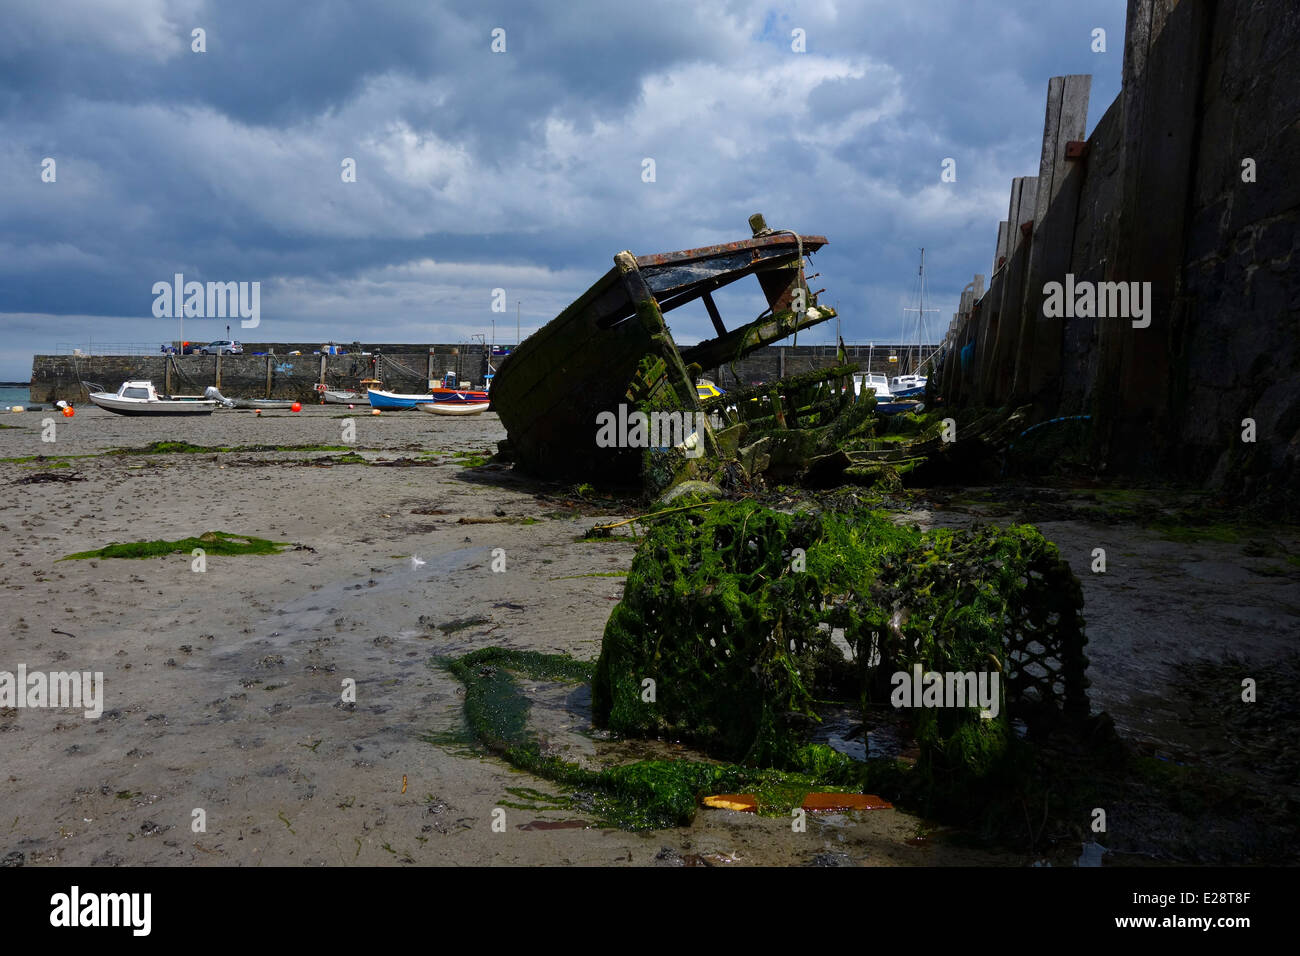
point(347, 396)
point(140, 398)
point(453, 408)
point(441, 395)
point(612, 342)
point(706, 389)
point(908, 386)
point(887, 401)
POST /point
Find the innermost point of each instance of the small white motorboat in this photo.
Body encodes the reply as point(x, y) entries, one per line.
point(140, 398)
point(448, 408)
point(347, 396)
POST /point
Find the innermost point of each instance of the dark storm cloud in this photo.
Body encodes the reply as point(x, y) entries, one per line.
point(519, 170)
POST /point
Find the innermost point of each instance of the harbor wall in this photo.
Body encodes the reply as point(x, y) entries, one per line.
point(402, 368)
point(1191, 183)
point(274, 375)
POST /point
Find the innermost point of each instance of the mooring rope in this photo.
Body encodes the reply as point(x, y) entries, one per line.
point(1051, 421)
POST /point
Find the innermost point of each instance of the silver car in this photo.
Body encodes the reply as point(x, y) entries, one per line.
point(216, 348)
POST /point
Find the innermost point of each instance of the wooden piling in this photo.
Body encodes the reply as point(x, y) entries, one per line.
point(1005, 314)
point(1056, 203)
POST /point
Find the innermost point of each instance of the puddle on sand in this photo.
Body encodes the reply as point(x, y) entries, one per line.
point(561, 717)
point(314, 613)
point(840, 721)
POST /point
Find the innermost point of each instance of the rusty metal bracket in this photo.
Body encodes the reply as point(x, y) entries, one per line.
point(1076, 149)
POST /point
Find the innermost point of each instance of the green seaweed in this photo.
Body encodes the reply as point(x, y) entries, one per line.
point(185, 448)
point(26, 459)
point(212, 542)
point(646, 794)
point(730, 612)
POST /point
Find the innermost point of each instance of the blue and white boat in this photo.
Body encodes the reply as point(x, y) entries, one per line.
point(887, 403)
point(451, 396)
point(907, 386)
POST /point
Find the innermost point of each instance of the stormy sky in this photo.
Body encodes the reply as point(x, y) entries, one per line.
point(521, 170)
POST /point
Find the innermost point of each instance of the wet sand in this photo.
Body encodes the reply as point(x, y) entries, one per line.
point(222, 688)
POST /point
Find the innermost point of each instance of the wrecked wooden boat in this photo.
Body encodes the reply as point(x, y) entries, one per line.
point(611, 348)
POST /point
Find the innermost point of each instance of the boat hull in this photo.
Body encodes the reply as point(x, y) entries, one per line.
point(333, 397)
point(915, 391)
point(453, 408)
point(445, 396)
point(893, 406)
point(262, 403)
point(112, 403)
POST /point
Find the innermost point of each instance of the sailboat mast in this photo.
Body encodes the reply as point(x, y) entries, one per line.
point(920, 313)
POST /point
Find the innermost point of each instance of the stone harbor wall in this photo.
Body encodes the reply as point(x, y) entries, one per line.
point(403, 368)
point(275, 375)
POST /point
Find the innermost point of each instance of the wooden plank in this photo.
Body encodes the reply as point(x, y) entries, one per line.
point(1161, 120)
point(1038, 366)
point(1004, 302)
point(1024, 189)
point(741, 341)
point(714, 317)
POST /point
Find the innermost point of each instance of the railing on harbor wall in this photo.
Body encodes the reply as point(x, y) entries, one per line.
point(108, 348)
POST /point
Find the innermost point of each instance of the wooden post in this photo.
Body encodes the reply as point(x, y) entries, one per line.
point(324, 359)
point(714, 316)
point(774, 399)
point(217, 374)
point(1004, 237)
point(167, 374)
point(996, 379)
point(652, 321)
point(1161, 118)
point(268, 376)
point(1052, 243)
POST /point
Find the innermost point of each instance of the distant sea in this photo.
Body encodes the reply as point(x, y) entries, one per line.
point(10, 395)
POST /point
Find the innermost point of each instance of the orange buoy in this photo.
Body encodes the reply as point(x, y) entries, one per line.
point(67, 411)
point(295, 407)
point(374, 411)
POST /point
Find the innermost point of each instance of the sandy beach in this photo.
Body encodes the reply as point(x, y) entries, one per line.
point(222, 689)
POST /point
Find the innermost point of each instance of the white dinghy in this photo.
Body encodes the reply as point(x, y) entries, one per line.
point(447, 408)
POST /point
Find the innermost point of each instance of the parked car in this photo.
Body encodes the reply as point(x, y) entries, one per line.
point(188, 348)
point(228, 347)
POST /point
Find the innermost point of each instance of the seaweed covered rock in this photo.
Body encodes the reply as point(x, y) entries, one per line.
point(726, 633)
